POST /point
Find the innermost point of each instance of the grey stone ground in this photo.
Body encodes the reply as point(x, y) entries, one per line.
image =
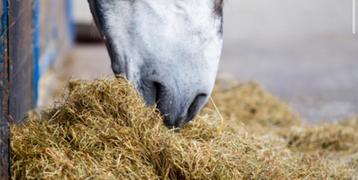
point(301, 50)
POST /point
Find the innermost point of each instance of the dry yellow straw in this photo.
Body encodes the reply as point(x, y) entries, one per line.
point(221, 127)
point(102, 129)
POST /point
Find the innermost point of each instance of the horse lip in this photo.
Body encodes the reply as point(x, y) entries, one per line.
point(174, 123)
point(173, 117)
point(180, 122)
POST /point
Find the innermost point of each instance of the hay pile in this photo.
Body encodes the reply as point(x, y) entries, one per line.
point(103, 130)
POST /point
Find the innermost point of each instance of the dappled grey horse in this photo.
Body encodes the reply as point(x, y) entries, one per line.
point(169, 49)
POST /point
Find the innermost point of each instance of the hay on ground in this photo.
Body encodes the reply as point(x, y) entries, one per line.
point(103, 130)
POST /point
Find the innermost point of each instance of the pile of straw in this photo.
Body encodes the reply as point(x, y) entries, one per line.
point(102, 129)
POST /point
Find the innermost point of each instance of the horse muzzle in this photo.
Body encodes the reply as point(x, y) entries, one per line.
point(177, 104)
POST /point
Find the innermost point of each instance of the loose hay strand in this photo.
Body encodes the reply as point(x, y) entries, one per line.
point(221, 127)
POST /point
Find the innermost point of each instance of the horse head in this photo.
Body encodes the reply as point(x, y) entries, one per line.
point(169, 50)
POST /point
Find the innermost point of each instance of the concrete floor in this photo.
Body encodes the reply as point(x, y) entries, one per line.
point(302, 51)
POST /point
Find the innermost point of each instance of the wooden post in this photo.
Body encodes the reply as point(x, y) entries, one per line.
point(21, 49)
point(4, 95)
point(16, 72)
point(4, 148)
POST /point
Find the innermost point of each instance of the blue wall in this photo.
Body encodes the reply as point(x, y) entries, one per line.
point(44, 56)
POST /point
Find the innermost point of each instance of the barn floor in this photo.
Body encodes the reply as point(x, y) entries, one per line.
point(317, 90)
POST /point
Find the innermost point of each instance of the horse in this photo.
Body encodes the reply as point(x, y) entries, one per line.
point(168, 49)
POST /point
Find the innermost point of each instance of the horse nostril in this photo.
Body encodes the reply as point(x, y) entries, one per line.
point(159, 89)
point(151, 91)
point(195, 106)
point(178, 119)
